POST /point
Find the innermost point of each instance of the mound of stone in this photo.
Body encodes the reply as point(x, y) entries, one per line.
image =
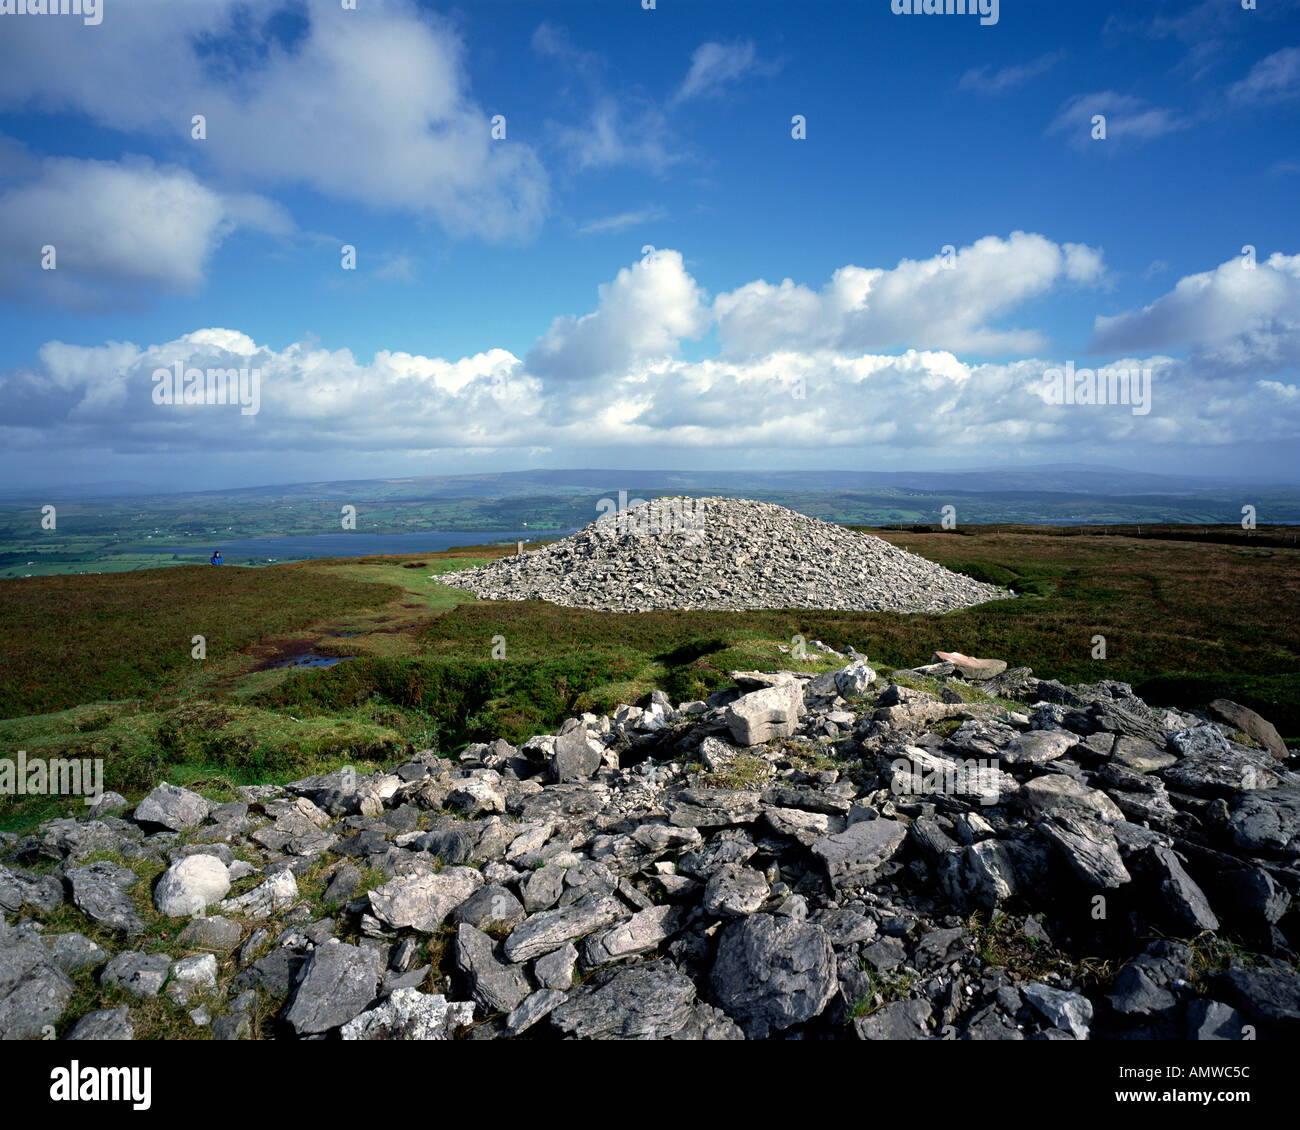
point(723, 553)
point(873, 873)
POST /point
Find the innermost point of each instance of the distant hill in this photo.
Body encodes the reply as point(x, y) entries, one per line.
point(1058, 478)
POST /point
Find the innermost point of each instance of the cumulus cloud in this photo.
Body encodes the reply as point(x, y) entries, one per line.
point(642, 315)
point(370, 106)
point(615, 381)
point(398, 405)
point(311, 399)
point(944, 302)
point(1239, 316)
point(117, 229)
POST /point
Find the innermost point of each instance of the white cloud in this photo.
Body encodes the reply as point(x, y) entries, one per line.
point(988, 81)
point(1127, 119)
point(623, 128)
point(921, 303)
point(607, 225)
point(1239, 318)
point(614, 381)
point(397, 405)
point(642, 315)
point(365, 106)
point(626, 131)
point(717, 65)
point(117, 230)
point(1273, 79)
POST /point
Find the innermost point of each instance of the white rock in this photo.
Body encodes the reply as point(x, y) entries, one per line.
point(191, 885)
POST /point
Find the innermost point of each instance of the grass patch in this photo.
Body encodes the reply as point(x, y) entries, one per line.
point(66, 640)
point(885, 988)
point(206, 746)
point(744, 772)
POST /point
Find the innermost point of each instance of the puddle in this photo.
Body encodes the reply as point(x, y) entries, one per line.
point(307, 659)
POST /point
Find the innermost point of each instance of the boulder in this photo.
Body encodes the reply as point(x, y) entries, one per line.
point(173, 808)
point(1071, 1012)
point(410, 1015)
point(641, 1002)
point(902, 1020)
point(141, 974)
point(1035, 747)
point(216, 934)
point(421, 902)
point(1248, 722)
point(99, 891)
point(33, 991)
point(1266, 822)
point(576, 756)
point(74, 952)
point(190, 975)
point(104, 1024)
point(644, 931)
point(496, 987)
point(336, 984)
point(855, 679)
point(534, 1008)
point(274, 896)
point(852, 857)
point(1057, 793)
point(191, 886)
point(551, 929)
point(1210, 765)
point(773, 973)
point(979, 875)
point(1088, 847)
point(765, 714)
point(733, 891)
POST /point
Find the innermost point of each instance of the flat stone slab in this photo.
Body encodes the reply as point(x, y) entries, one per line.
point(550, 929)
point(642, 1002)
point(335, 986)
point(968, 667)
point(851, 857)
point(99, 891)
point(423, 901)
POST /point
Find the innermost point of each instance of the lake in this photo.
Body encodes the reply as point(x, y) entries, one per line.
point(301, 547)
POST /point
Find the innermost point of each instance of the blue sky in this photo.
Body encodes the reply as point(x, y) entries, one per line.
point(502, 313)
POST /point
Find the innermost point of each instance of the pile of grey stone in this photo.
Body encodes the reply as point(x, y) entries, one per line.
point(723, 553)
point(798, 856)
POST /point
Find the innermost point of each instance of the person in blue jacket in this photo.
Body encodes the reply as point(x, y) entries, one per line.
point(216, 557)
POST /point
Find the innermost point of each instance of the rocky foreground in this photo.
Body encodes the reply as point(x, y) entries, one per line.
point(952, 852)
point(723, 553)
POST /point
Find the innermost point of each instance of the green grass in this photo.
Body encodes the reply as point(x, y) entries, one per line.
point(216, 746)
point(100, 666)
point(743, 773)
point(889, 987)
point(69, 640)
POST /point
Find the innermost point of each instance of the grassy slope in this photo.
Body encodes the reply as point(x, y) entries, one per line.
point(1188, 622)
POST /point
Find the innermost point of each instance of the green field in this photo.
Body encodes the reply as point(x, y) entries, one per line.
point(102, 666)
